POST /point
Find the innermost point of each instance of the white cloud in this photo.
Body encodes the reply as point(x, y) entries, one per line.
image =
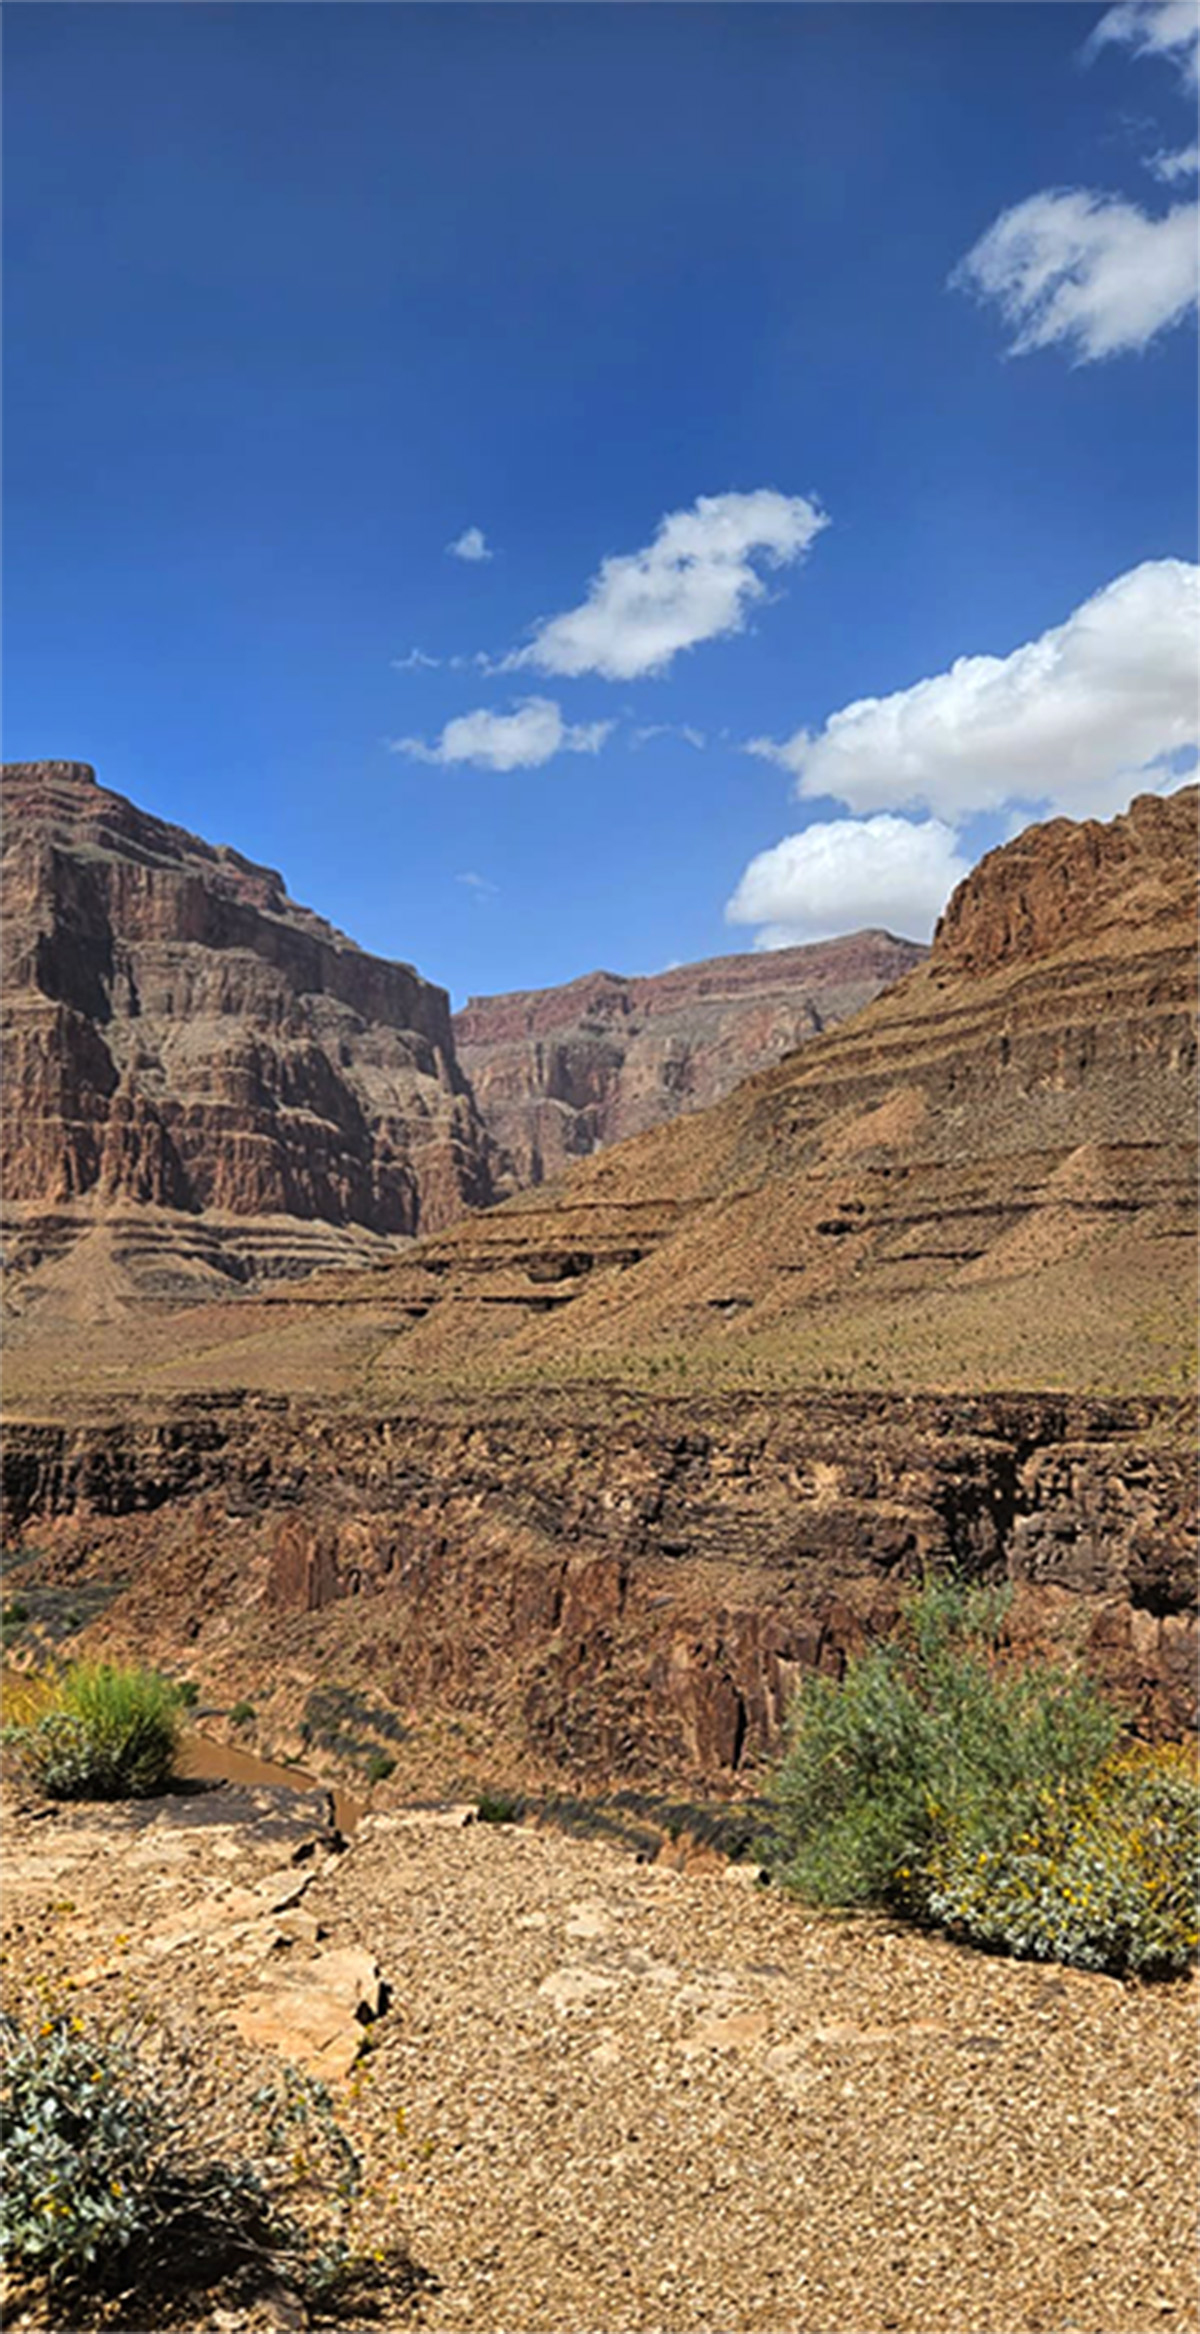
point(533, 733)
point(472, 545)
point(846, 874)
point(416, 661)
point(1153, 28)
point(1097, 274)
point(696, 581)
point(1082, 718)
point(1169, 168)
point(479, 884)
point(682, 729)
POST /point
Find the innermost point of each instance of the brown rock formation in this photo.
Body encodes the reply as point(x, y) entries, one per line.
point(181, 1037)
point(560, 1073)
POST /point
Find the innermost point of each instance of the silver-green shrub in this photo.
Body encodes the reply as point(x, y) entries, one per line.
point(128, 2160)
point(944, 1780)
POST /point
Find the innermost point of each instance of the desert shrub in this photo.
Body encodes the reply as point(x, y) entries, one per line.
point(941, 1780)
point(242, 1713)
point(499, 1807)
point(127, 2160)
point(95, 1731)
point(379, 1765)
point(1106, 1875)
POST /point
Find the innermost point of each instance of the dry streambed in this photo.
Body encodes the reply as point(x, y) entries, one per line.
point(606, 2096)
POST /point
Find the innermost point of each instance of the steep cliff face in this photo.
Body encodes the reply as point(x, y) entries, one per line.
point(560, 1073)
point(180, 1036)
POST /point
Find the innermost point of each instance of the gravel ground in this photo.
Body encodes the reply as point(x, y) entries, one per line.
point(637, 2100)
point(609, 2098)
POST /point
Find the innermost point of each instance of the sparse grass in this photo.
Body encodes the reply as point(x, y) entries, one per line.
point(94, 1731)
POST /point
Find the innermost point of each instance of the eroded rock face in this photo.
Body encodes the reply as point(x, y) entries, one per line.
point(559, 1073)
point(636, 1588)
point(181, 1035)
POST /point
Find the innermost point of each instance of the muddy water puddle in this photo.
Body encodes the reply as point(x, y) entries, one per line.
point(201, 1760)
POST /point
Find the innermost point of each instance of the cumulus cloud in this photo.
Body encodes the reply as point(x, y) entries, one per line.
point(533, 733)
point(847, 874)
point(472, 545)
point(696, 581)
point(1153, 28)
point(1171, 167)
point(1089, 271)
point(1090, 713)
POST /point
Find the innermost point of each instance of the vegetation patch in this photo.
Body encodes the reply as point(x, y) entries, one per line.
point(943, 1780)
point(350, 1726)
point(94, 1731)
point(134, 2171)
point(499, 1807)
point(53, 1613)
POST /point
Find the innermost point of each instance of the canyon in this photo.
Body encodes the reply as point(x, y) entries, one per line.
point(579, 1485)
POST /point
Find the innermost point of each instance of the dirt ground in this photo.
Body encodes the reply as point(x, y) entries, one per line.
point(606, 2097)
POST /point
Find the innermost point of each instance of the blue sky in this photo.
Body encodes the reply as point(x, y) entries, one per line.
point(298, 296)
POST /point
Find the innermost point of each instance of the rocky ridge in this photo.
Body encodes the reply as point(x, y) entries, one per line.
point(559, 1073)
point(209, 1072)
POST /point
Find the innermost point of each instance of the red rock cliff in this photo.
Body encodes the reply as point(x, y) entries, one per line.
point(180, 1033)
point(559, 1073)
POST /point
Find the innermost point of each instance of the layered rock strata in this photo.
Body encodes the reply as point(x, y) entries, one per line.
point(183, 1041)
point(560, 1073)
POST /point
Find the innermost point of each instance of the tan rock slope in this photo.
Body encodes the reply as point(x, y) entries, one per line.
point(203, 1081)
point(560, 1073)
point(607, 1467)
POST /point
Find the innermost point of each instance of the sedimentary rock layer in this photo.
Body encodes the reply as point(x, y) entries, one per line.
point(560, 1073)
point(181, 1036)
point(624, 1588)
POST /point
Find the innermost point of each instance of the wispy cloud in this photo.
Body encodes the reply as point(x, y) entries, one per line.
point(1089, 271)
point(847, 874)
point(681, 729)
point(479, 884)
point(532, 734)
point(1169, 168)
point(415, 662)
point(472, 545)
point(1153, 28)
point(1080, 718)
point(697, 580)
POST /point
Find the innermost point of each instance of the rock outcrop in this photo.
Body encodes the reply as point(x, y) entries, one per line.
point(560, 1073)
point(182, 1041)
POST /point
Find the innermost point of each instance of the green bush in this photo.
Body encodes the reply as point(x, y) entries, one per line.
point(944, 1781)
point(241, 1714)
point(499, 1807)
point(378, 1766)
point(123, 2162)
point(95, 1732)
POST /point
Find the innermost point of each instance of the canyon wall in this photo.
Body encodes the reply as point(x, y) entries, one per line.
point(180, 1036)
point(558, 1073)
